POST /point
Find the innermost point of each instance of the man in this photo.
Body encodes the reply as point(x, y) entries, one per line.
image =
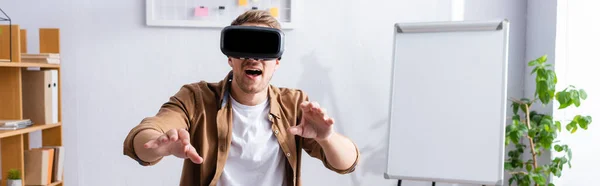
point(242, 130)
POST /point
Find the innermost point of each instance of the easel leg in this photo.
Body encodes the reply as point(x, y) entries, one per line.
point(399, 182)
point(433, 184)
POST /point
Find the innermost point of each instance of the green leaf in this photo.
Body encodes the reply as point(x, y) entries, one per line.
point(529, 167)
point(534, 70)
point(508, 166)
point(525, 181)
point(575, 97)
point(523, 108)
point(564, 99)
point(588, 119)
point(558, 148)
point(515, 122)
point(573, 124)
point(522, 129)
point(558, 125)
point(515, 107)
point(543, 93)
point(514, 137)
point(532, 63)
point(542, 59)
point(584, 121)
point(547, 123)
point(539, 179)
point(539, 169)
point(551, 76)
point(531, 133)
point(582, 94)
point(510, 181)
point(551, 184)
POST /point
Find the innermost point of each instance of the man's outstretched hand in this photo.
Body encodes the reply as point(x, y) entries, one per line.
point(340, 151)
point(175, 142)
point(314, 123)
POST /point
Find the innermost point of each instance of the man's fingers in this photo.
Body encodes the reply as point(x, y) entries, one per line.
point(296, 130)
point(324, 111)
point(305, 106)
point(162, 139)
point(329, 121)
point(184, 136)
point(151, 144)
point(321, 112)
point(191, 153)
point(172, 134)
point(315, 105)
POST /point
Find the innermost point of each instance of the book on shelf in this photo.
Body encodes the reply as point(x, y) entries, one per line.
point(38, 166)
point(59, 160)
point(40, 95)
point(50, 58)
point(15, 124)
point(44, 165)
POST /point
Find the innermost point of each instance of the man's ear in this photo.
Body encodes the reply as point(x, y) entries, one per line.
point(276, 64)
point(229, 60)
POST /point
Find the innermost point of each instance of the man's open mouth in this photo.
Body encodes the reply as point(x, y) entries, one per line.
point(253, 72)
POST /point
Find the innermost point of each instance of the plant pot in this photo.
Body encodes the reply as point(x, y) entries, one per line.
point(14, 183)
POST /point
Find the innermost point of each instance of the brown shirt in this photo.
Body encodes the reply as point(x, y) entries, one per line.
point(204, 111)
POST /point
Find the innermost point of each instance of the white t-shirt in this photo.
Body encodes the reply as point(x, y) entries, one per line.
point(255, 157)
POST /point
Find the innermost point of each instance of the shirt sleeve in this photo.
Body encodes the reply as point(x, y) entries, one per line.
point(176, 113)
point(314, 149)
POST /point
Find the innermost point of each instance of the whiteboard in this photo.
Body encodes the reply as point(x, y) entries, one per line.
point(448, 102)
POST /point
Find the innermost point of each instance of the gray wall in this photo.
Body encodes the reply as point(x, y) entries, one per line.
point(117, 71)
point(540, 40)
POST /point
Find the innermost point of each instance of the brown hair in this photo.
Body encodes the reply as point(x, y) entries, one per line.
point(257, 16)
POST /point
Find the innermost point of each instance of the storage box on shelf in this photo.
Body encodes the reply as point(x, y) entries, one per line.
point(13, 98)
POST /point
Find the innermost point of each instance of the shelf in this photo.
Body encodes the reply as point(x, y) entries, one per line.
point(55, 183)
point(26, 64)
point(32, 128)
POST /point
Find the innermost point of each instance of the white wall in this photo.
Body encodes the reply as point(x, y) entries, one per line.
point(577, 65)
point(117, 71)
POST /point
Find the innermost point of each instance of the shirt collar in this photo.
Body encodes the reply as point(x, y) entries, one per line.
point(273, 94)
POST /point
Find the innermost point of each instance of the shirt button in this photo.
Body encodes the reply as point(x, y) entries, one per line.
point(288, 154)
point(270, 117)
point(276, 131)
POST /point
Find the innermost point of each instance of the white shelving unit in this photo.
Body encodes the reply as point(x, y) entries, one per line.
point(219, 13)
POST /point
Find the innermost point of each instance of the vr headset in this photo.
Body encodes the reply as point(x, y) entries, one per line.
point(251, 42)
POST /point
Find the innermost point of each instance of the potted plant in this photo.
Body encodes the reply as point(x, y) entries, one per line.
point(535, 133)
point(14, 178)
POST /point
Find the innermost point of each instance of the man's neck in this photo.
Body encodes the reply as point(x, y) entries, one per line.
point(248, 99)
